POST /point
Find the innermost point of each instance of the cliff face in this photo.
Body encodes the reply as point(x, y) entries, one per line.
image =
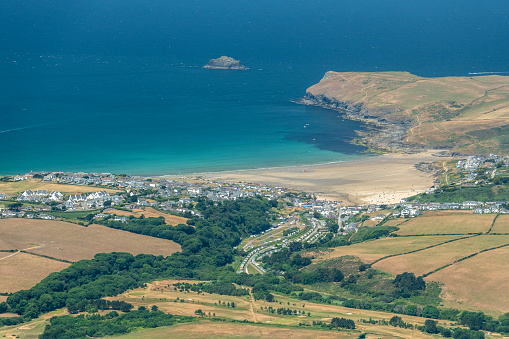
point(225, 62)
point(380, 134)
point(408, 113)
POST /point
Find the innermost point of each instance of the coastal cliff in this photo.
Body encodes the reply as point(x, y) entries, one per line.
point(408, 113)
point(380, 133)
point(225, 62)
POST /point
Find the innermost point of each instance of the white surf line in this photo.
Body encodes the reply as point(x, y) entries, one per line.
point(33, 126)
point(479, 73)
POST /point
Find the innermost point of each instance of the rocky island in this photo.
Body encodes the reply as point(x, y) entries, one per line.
point(409, 113)
point(225, 62)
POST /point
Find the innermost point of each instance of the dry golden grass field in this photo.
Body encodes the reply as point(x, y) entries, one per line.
point(211, 329)
point(63, 241)
point(12, 188)
point(373, 250)
point(22, 271)
point(447, 222)
point(501, 224)
point(427, 260)
point(479, 283)
point(162, 294)
point(149, 212)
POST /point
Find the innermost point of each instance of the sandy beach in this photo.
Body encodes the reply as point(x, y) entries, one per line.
point(379, 179)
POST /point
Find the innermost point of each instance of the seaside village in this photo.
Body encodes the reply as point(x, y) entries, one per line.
point(177, 196)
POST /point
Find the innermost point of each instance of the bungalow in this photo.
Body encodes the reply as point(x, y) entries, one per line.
point(3, 196)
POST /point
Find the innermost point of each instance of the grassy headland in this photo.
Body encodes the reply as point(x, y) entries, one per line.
point(408, 112)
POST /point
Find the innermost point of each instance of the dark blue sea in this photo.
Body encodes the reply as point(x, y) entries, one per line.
point(117, 86)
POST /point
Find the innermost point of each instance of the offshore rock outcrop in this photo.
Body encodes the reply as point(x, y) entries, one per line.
point(225, 62)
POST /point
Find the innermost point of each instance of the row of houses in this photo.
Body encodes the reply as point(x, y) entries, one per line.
point(12, 214)
point(39, 196)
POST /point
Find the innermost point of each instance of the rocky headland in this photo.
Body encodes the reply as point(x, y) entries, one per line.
point(408, 113)
point(225, 62)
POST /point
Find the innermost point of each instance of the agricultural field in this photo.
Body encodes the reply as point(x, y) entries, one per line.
point(469, 268)
point(149, 212)
point(501, 225)
point(447, 222)
point(61, 243)
point(163, 295)
point(479, 282)
point(427, 260)
point(17, 187)
point(22, 271)
point(376, 249)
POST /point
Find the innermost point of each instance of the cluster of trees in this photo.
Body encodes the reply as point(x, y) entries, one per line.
point(398, 322)
point(336, 323)
point(285, 260)
point(431, 327)
point(99, 304)
point(285, 311)
point(217, 287)
point(481, 321)
point(320, 274)
point(289, 262)
point(407, 285)
point(92, 326)
point(342, 323)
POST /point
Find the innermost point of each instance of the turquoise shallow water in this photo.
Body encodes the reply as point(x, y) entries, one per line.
point(151, 116)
